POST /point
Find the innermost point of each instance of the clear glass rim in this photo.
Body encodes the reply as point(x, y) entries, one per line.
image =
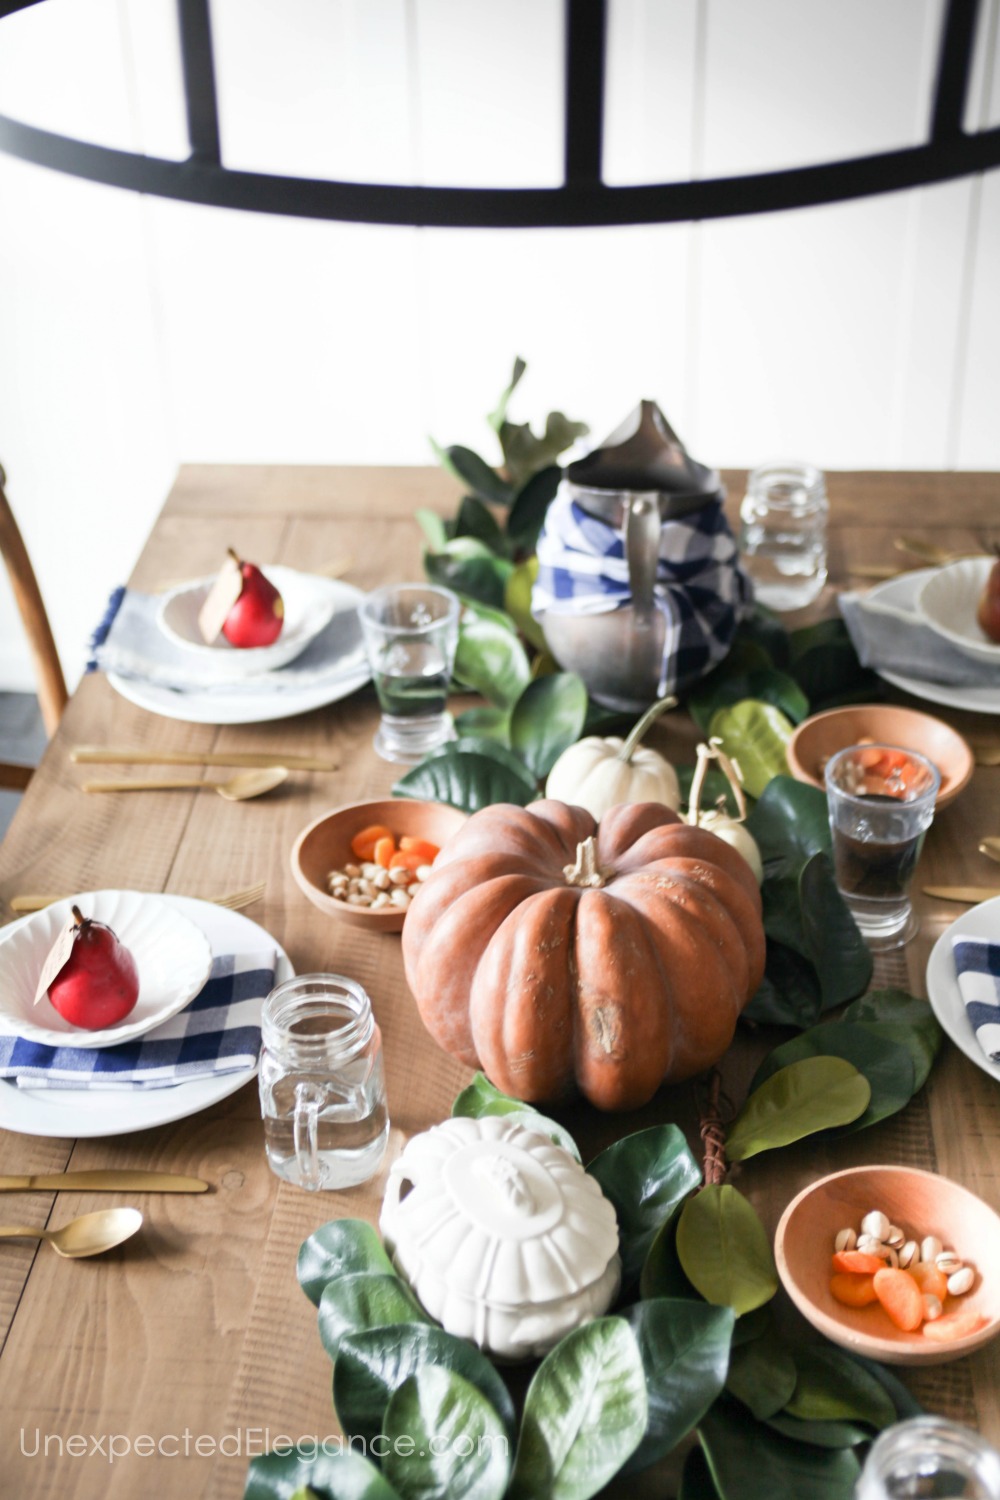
point(930, 795)
point(292, 999)
point(808, 477)
point(367, 609)
point(952, 1439)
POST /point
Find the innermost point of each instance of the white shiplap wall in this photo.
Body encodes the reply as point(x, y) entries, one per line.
point(136, 334)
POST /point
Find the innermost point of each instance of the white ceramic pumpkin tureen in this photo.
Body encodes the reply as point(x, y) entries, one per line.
point(502, 1235)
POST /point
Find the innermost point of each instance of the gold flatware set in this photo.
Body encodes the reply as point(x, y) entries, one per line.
point(232, 900)
point(93, 1234)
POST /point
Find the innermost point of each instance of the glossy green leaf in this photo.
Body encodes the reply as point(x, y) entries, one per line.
point(765, 629)
point(696, 1478)
point(905, 1403)
point(475, 609)
point(900, 1017)
point(753, 1325)
point(724, 1249)
point(645, 1176)
point(817, 1093)
point(493, 749)
point(433, 527)
point(524, 453)
point(340, 1248)
point(476, 519)
point(584, 1415)
point(492, 661)
point(662, 1274)
point(755, 735)
point(750, 1462)
point(517, 601)
point(331, 1476)
point(684, 1348)
point(833, 943)
point(819, 1434)
point(469, 781)
point(886, 1065)
point(765, 684)
point(485, 724)
point(833, 1387)
point(548, 718)
point(527, 514)
point(826, 667)
point(481, 1098)
point(789, 994)
point(498, 415)
point(444, 1440)
point(470, 469)
point(762, 1374)
point(364, 1300)
point(374, 1363)
point(468, 567)
point(790, 823)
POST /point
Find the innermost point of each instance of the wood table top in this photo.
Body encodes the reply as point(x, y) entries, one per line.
point(197, 1329)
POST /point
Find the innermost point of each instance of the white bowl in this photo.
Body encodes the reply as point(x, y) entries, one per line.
point(172, 954)
point(948, 602)
point(310, 604)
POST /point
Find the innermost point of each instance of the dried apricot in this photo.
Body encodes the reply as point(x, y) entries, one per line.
point(404, 860)
point(385, 848)
point(956, 1325)
point(857, 1261)
point(363, 843)
point(929, 1278)
point(853, 1290)
point(428, 852)
point(900, 1296)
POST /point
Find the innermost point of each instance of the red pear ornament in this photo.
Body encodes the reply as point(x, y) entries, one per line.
point(988, 613)
point(98, 984)
point(258, 614)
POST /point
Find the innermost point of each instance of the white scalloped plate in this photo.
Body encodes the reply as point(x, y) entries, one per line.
point(949, 600)
point(172, 954)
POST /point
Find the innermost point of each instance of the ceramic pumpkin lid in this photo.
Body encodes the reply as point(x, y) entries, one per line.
point(500, 1212)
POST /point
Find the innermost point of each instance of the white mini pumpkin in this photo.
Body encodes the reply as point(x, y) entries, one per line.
point(600, 773)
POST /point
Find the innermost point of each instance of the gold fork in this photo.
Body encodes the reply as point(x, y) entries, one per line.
point(232, 900)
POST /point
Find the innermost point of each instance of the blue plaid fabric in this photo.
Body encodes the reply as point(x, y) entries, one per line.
point(219, 1032)
point(700, 587)
point(977, 964)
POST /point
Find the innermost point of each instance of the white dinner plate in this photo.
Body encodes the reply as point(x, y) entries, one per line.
point(88, 1113)
point(949, 602)
point(982, 922)
point(902, 593)
point(172, 955)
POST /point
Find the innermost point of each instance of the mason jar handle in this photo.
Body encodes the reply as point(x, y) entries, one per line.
point(308, 1102)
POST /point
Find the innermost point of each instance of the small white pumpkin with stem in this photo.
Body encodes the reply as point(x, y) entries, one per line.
point(716, 820)
point(599, 774)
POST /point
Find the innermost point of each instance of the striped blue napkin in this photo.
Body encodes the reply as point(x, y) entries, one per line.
point(218, 1032)
point(700, 588)
point(978, 966)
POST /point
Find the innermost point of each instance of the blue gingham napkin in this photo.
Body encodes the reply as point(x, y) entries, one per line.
point(219, 1032)
point(700, 588)
point(977, 964)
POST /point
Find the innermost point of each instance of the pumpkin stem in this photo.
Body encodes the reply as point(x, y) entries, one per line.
point(585, 872)
point(732, 773)
point(714, 751)
point(637, 731)
point(713, 1134)
point(697, 783)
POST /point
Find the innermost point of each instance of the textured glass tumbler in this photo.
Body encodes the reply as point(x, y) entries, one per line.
point(930, 1457)
point(783, 534)
point(411, 635)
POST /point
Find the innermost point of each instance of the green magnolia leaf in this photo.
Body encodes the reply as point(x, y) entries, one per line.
point(468, 567)
point(283, 1475)
point(492, 661)
point(645, 1176)
point(820, 1434)
point(900, 1017)
point(789, 994)
point(444, 1440)
point(485, 724)
point(724, 1249)
point(364, 1300)
point(475, 744)
point(524, 453)
point(474, 471)
point(548, 718)
point(517, 601)
point(753, 1325)
point(373, 1364)
point(684, 1348)
point(764, 684)
point(762, 1374)
point(887, 1066)
point(833, 1387)
point(527, 514)
point(755, 735)
point(475, 609)
point(696, 1478)
point(905, 1403)
point(481, 1098)
point(750, 1462)
point(814, 1094)
point(475, 519)
point(498, 416)
point(764, 628)
point(465, 780)
point(826, 667)
point(585, 1413)
point(833, 943)
point(433, 528)
point(340, 1248)
point(662, 1274)
point(790, 823)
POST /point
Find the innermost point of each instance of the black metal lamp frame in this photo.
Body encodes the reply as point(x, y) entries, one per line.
point(583, 199)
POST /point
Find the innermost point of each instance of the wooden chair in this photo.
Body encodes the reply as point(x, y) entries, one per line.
point(52, 693)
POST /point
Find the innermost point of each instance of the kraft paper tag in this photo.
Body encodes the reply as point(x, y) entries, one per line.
point(220, 599)
point(56, 960)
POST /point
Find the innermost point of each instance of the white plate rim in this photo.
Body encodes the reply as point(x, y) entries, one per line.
point(983, 700)
point(238, 666)
point(110, 1036)
point(95, 1114)
point(983, 921)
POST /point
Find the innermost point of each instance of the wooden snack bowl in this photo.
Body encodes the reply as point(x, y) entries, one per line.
point(821, 736)
point(921, 1203)
point(326, 845)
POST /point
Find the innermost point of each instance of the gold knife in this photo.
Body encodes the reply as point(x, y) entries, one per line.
point(971, 894)
point(98, 755)
point(112, 1181)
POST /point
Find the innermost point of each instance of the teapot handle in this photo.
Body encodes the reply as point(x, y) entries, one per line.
point(642, 548)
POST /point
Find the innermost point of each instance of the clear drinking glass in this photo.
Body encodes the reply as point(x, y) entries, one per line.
point(783, 534)
point(881, 803)
point(928, 1456)
point(322, 1085)
point(411, 633)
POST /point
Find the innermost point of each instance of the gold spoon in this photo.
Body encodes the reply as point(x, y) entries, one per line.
point(90, 1234)
point(990, 846)
point(236, 789)
point(937, 556)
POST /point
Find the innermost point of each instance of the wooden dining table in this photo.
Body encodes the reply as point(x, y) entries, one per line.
point(192, 1346)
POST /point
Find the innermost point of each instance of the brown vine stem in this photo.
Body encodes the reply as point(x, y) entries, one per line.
point(713, 1134)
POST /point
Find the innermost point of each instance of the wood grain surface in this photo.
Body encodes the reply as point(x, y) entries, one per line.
point(195, 1335)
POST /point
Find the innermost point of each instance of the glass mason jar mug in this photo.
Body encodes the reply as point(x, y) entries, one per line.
point(322, 1084)
point(783, 534)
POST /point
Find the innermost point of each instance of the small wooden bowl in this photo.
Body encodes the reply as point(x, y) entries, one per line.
point(921, 1203)
point(326, 845)
point(818, 738)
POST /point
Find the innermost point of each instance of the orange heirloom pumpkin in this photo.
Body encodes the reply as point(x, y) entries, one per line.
point(551, 952)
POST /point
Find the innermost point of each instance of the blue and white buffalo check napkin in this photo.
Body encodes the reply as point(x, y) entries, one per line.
point(978, 966)
point(700, 588)
point(219, 1032)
